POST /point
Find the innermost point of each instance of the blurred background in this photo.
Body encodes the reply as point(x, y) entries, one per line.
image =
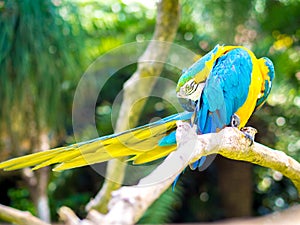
point(45, 46)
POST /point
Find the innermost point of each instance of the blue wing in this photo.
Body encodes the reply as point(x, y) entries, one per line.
point(224, 93)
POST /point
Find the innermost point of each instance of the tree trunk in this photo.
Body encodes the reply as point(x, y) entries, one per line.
point(37, 181)
point(41, 202)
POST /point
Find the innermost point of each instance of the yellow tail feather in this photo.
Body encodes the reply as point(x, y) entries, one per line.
point(141, 145)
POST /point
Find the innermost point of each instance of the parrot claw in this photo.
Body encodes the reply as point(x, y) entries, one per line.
point(249, 133)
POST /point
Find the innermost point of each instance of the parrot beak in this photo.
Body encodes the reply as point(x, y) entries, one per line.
point(180, 93)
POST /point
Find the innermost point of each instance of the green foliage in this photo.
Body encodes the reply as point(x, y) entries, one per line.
point(20, 199)
point(72, 188)
point(112, 23)
point(40, 59)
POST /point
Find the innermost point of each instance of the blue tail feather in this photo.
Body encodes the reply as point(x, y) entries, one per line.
point(198, 163)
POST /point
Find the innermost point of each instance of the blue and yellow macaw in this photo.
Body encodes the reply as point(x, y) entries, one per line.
point(223, 88)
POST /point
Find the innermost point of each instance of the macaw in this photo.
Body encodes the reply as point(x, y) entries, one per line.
point(223, 88)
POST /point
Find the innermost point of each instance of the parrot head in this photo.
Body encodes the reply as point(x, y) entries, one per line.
point(192, 81)
point(189, 90)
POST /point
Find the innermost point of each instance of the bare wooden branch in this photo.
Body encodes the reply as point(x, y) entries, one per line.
point(19, 217)
point(136, 88)
point(68, 216)
point(95, 217)
point(230, 142)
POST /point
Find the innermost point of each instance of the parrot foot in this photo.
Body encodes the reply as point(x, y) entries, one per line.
point(235, 120)
point(249, 133)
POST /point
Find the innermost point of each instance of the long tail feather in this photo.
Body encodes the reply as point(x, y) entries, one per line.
point(140, 144)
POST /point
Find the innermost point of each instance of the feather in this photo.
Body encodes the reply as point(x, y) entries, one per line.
point(168, 140)
point(141, 144)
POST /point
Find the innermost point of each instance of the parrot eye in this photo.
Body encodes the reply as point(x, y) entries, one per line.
point(190, 88)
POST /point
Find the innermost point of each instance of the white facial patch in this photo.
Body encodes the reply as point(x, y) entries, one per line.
point(197, 93)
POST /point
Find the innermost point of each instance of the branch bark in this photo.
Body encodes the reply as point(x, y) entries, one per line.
point(68, 216)
point(136, 88)
point(19, 217)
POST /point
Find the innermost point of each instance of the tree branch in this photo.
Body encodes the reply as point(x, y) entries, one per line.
point(229, 142)
point(19, 217)
point(68, 216)
point(136, 88)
